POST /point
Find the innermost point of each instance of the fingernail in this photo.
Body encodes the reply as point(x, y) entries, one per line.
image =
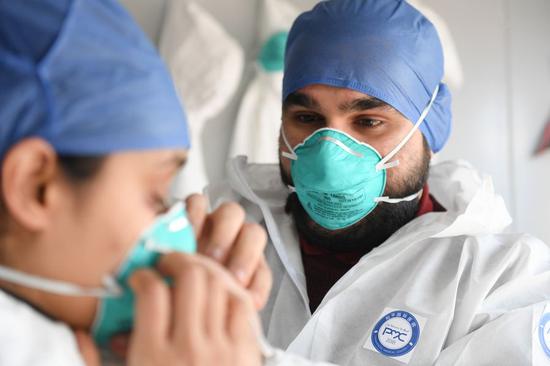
point(240, 275)
point(216, 253)
point(258, 300)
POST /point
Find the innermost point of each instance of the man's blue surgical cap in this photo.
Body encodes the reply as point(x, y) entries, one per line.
point(83, 76)
point(383, 48)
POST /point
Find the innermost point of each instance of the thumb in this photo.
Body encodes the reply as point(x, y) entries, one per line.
point(88, 349)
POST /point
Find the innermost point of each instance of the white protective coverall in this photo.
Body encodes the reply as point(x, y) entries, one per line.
point(448, 288)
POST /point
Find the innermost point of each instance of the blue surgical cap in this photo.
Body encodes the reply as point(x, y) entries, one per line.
point(83, 76)
point(383, 48)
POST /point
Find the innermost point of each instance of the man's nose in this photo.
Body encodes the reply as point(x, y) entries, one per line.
point(340, 123)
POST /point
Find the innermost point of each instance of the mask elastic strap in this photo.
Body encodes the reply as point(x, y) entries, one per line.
point(292, 155)
point(110, 287)
point(383, 164)
point(397, 200)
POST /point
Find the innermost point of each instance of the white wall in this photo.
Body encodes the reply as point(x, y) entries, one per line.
point(498, 114)
point(529, 39)
point(505, 102)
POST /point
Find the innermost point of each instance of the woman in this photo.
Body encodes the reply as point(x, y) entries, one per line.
point(91, 134)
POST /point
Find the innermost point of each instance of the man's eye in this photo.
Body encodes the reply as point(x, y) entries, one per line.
point(366, 122)
point(308, 118)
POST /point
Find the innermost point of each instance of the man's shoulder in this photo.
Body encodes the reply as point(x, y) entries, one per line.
point(455, 177)
point(469, 197)
point(483, 252)
point(246, 181)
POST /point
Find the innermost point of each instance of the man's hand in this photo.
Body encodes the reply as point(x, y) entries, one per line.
point(224, 236)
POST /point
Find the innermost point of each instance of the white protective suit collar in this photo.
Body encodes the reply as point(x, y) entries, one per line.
point(472, 207)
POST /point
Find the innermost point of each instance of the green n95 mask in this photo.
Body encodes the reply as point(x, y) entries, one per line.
point(340, 180)
point(170, 232)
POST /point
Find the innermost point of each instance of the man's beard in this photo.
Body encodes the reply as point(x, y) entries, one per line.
point(373, 229)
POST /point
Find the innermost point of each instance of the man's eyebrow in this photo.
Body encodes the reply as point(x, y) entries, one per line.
point(364, 104)
point(301, 100)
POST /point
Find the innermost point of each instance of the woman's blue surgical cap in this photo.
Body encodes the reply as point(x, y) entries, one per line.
point(83, 76)
point(383, 48)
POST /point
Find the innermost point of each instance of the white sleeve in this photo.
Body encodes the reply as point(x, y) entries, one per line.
point(520, 337)
point(506, 328)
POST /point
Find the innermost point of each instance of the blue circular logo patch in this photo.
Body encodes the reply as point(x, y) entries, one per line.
point(396, 333)
point(544, 333)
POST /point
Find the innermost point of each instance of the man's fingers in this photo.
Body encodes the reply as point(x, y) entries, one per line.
point(196, 206)
point(153, 312)
point(220, 230)
point(260, 285)
point(247, 252)
point(87, 348)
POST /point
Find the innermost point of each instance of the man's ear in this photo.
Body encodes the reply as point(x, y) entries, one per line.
point(28, 172)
